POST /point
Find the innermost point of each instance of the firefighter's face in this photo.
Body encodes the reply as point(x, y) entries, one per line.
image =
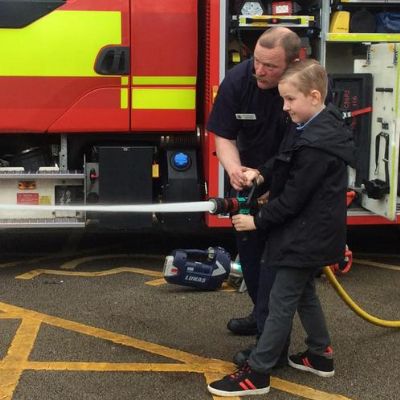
point(269, 65)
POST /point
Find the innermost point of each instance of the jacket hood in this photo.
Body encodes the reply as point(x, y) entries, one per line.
point(328, 132)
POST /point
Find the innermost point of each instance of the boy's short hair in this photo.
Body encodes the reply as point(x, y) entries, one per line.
point(307, 75)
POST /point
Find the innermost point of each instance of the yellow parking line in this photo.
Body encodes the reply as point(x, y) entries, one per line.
point(156, 282)
point(304, 391)
point(10, 264)
point(16, 361)
point(65, 270)
point(15, 263)
point(9, 316)
point(72, 264)
point(28, 260)
point(18, 352)
point(36, 272)
point(106, 366)
point(376, 264)
point(99, 333)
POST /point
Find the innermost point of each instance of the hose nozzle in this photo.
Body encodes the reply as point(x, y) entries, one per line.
point(224, 205)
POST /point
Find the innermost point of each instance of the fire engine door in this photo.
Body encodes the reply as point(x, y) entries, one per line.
point(64, 66)
point(380, 194)
point(163, 65)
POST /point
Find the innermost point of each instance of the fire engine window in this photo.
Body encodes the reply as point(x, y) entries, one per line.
point(18, 14)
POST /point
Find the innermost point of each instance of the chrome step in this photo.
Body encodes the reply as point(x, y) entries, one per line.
point(66, 222)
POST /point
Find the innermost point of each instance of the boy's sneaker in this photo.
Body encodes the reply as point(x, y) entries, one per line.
point(318, 365)
point(244, 382)
point(241, 357)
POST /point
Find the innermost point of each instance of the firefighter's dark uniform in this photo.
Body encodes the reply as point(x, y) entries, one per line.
point(254, 118)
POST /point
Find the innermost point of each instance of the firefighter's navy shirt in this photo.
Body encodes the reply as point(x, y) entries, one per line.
point(250, 115)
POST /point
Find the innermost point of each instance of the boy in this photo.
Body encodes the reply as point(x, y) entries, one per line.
point(305, 219)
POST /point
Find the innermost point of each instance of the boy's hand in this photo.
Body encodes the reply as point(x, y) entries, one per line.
point(243, 222)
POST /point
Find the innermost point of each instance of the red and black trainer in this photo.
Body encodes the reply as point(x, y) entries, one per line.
point(311, 362)
point(243, 382)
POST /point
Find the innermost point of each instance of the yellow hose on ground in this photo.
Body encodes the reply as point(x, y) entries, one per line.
point(353, 306)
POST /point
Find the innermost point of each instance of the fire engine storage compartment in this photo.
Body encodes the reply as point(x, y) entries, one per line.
point(143, 175)
point(41, 188)
point(180, 182)
point(125, 177)
point(381, 190)
point(352, 93)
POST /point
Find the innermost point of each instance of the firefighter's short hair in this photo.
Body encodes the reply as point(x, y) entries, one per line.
point(280, 36)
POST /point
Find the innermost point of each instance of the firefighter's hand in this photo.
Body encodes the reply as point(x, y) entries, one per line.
point(252, 175)
point(237, 178)
point(243, 222)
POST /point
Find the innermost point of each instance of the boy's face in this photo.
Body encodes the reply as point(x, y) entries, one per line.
point(300, 107)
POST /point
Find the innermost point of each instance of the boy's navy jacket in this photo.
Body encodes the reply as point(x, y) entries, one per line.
point(306, 214)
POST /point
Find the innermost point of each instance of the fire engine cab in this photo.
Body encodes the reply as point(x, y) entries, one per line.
point(106, 102)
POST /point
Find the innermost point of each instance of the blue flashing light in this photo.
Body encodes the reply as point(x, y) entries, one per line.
point(181, 161)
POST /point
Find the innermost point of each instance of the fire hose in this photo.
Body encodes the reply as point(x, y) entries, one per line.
point(213, 206)
point(196, 206)
point(353, 306)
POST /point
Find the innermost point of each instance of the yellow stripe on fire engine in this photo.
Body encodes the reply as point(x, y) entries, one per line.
point(163, 99)
point(124, 98)
point(62, 43)
point(164, 80)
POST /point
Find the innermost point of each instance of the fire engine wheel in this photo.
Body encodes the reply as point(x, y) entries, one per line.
point(354, 307)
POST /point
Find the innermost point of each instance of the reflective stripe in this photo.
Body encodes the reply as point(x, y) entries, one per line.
point(164, 80)
point(396, 49)
point(63, 43)
point(163, 99)
point(124, 98)
point(124, 92)
point(268, 20)
point(363, 37)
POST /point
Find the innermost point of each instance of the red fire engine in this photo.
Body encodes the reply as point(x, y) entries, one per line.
point(105, 102)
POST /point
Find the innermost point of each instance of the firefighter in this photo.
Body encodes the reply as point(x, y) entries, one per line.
point(248, 123)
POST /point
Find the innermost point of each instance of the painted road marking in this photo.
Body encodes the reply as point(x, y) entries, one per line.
point(66, 269)
point(155, 282)
point(15, 263)
point(17, 359)
point(369, 263)
point(18, 352)
point(72, 264)
point(36, 272)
